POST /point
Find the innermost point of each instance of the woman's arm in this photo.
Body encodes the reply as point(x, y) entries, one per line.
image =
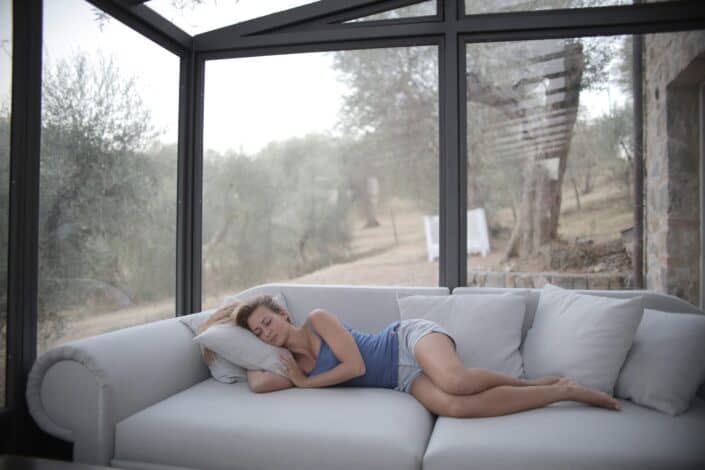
point(343, 346)
point(262, 381)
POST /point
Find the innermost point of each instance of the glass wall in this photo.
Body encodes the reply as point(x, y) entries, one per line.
point(320, 168)
point(551, 162)
point(550, 151)
point(5, 119)
point(503, 6)
point(419, 9)
point(107, 215)
point(198, 16)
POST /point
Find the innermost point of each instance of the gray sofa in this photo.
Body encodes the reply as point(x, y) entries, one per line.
point(142, 398)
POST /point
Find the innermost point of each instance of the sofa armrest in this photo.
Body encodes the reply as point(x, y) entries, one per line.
point(79, 391)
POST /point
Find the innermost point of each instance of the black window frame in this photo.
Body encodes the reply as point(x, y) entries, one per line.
point(313, 27)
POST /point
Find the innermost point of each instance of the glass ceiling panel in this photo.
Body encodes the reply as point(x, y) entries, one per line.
point(501, 6)
point(199, 16)
point(427, 8)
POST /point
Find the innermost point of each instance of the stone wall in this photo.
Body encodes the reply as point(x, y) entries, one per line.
point(603, 281)
point(674, 68)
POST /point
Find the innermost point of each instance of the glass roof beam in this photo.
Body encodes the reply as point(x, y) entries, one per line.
point(309, 13)
point(211, 43)
point(149, 24)
point(670, 16)
point(624, 19)
point(380, 8)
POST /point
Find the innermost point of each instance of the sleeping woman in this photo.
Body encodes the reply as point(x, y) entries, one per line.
point(411, 356)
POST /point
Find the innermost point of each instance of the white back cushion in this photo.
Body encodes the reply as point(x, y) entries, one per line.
point(486, 328)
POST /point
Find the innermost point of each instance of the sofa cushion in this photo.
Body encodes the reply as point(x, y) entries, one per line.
point(571, 435)
point(666, 363)
point(581, 336)
point(217, 426)
point(486, 328)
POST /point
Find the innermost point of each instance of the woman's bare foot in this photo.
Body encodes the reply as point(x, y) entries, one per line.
point(576, 392)
point(548, 380)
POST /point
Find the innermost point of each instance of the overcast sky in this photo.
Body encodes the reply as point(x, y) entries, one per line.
point(248, 102)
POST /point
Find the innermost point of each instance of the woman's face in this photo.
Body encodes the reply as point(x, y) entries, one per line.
point(268, 326)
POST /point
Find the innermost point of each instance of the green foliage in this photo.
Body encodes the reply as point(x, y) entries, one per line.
point(601, 147)
point(107, 216)
point(108, 193)
point(391, 115)
point(273, 216)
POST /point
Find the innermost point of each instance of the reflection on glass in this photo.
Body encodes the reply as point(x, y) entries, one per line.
point(473, 7)
point(319, 168)
point(550, 162)
point(108, 177)
point(196, 17)
point(420, 9)
point(5, 119)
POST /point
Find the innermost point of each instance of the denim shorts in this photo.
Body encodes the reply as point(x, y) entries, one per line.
point(409, 333)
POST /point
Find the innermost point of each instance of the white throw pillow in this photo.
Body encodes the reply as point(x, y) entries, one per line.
point(666, 363)
point(221, 369)
point(584, 337)
point(240, 346)
point(485, 327)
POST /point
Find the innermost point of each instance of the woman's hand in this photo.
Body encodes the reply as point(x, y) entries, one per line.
point(291, 370)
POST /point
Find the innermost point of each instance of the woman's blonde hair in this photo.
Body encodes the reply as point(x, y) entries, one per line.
point(238, 313)
point(244, 311)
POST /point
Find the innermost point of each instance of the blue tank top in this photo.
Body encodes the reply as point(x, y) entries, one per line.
point(380, 351)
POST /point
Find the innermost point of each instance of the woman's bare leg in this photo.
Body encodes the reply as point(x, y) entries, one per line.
point(504, 399)
point(437, 357)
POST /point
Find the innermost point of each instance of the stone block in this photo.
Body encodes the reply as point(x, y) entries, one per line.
point(598, 282)
point(580, 283)
point(523, 281)
point(480, 279)
point(562, 280)
point(539, 280)
point(496, 279)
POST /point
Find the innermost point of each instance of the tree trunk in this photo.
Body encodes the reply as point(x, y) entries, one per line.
point(575, 190)
point(587, 186)
point(363, 197)
point(541, 199)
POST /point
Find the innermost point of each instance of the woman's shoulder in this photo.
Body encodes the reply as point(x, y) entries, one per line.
point(320, 318)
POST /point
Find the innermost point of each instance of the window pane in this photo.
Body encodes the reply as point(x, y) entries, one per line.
point(550, 130)
point(473, 7)
point(5, 119)
point(320, 168)
point(196, 17)
point(420, 9)
point(108, 176)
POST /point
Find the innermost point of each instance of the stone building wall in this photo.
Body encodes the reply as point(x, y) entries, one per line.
point(674, 68)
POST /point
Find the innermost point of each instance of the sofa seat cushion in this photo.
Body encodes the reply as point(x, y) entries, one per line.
point(225, 426)
point(571, 435)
